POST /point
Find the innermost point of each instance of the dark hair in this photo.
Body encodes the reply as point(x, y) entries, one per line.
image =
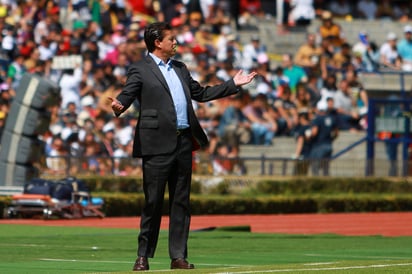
point(153, 32)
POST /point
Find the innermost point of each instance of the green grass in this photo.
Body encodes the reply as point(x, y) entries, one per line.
point(36, 249)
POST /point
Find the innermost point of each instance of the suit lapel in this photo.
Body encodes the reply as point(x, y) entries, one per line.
point(156, 71)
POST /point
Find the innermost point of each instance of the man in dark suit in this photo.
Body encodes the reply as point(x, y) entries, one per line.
point(166, 134)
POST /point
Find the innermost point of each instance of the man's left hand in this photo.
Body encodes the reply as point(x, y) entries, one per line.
point(241, 79)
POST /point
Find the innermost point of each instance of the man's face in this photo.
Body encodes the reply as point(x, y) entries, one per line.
point(168, 45)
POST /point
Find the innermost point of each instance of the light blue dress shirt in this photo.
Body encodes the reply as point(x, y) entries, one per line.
point(176, 89)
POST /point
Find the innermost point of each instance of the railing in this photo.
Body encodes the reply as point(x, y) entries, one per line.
point(259, 166)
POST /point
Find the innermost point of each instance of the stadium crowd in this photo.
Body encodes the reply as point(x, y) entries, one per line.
point(288, 98)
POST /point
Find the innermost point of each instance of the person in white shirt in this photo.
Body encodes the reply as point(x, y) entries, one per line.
point(251, 51)
point(389, 56)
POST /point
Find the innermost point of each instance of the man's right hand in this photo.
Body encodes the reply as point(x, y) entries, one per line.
point(116, 105)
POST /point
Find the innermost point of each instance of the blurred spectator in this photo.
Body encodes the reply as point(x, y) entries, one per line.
point(403, 11)
point(288, 115)
point(234, 127)
point(15, 72)
point(405, 48)
point(70, 86)
point(251, 52)
point(264, 80)
point(293, 72)
point(359, 93)
point(361, 45)
point(279, 81)
point(328, 90)
point(263, 125)
point(385, 10)
point(347, 112)
point(249, 9)
point(303, 144)
point(302, 99)
point(308, 55)
point(302, 12)
point(223, 159)
point(282, 15)
point(331, 30)
point(389, 56)
point(9, 43)
point(313, 89)
point(340, 8)
point(218, 18)
point(342, 59)
point(56, 161)
point(370, 58)
point(195, 21)
point(366, 9)
point(324, 131)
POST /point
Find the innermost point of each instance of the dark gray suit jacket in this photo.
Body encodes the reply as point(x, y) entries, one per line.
point(157, 123)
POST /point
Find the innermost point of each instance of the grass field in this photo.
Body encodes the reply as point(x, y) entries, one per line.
point(37, 249)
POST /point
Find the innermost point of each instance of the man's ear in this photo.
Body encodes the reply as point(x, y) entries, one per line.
point(157, 43)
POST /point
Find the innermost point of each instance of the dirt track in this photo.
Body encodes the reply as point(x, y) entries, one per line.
point(385, 224)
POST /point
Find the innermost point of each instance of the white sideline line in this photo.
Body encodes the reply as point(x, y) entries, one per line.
point(83, 261)
point(319, 269)
point(366, 257)
point(325, 263)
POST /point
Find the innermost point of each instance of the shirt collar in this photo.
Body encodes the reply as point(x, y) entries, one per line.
point(159, 61)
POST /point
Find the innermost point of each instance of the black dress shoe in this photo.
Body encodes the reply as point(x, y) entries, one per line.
point(181, 263)
point(141, 264)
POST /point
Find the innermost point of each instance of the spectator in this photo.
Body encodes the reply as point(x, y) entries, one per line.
point(328, 90)
point(370, 58)
point(56, 161)
point(345, 105)
point(308, 55)
point(326, 59)
point(279, 81)
point(303, 144)
point(366, 9)
point(263, 125)
point(302, 12)
point(70, 86)
point(15, 72)
point(219, 18)
point(331, 30)
point(282, 14)
point(385, 10)
point(362, 44)
point(358, 92)
point(9, 43)
point(251, 51)
point(288, 115)
point(324, 131)
point(342, 59)
point(313, 89)
point(405, 48)
point(293, 72)
point(264, 80)
point(234, 127)
point(302, 99)
point(389, 56)
point(249, 9)
point(403, 11)
point(340, 8)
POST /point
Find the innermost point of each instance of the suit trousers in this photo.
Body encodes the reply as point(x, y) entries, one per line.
point(175, 170)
